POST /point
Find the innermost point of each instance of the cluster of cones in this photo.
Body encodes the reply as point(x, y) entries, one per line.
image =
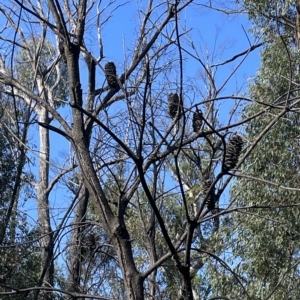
point(174, 106)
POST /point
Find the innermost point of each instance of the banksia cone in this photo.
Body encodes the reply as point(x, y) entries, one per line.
point(174, 105)
point(111, 74)
point(62, 50)
point(233, 150)
point(211, 197)
point(91, 241)
point(197, 120)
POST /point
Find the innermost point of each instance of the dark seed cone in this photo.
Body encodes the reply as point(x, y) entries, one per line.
point(90, 241)
point(111, 74)
point(62, 51)
point(2, 278)
point(174, 105)
point(233, 150)
point(211, 197)
point(197, 120)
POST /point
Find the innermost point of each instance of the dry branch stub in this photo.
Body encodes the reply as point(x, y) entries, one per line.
point(233, 150)
point(210, 197)
point(174, 105)
point(111, 74)
point(197, 120)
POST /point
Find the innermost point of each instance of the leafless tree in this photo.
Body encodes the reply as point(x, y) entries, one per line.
point(152, 158)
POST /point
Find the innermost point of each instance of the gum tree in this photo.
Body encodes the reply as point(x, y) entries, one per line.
point(265, 243)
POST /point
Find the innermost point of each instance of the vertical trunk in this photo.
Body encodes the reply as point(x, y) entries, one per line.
point(46, 241)
point(132, 279)
point(186, 289)
point(115, 227)
point(73, 281)
point(153, 259)
point(153, 255)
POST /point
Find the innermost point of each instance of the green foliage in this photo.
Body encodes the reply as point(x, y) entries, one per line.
point(7, 168)
point(264, 243)
point(19, 248)
point(19, 254)
point(27, 62)
point(272, 18)
point(20, 258)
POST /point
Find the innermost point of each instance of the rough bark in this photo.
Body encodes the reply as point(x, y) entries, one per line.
point(186, 289)
point(114, 226)
point(153, 259)
point(75, 252)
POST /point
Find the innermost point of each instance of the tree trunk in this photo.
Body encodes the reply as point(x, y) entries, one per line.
point(132, 280)
point(73, 281)
point(152, 254)
point(186, 289)
point(114, 226)
point(46, 240)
